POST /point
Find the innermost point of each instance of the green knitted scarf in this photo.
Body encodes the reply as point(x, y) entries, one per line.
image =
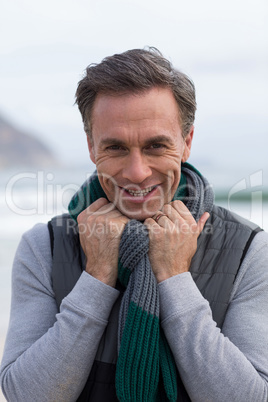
point(145, 368)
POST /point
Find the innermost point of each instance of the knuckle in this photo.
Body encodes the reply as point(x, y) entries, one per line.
point(177, 203)
point(101, 201)
point(99, 219)
point(81, 217)
point(82, 227)
point(194, 227)
point(166, 208)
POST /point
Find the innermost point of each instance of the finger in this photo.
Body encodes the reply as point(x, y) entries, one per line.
point(179, 214)
point(182, 210)
point(99, 207)
point(151, 225)
point(165, 222)
point(201, 223)
point(172, 213)
point(98, 204)
point(91, 209)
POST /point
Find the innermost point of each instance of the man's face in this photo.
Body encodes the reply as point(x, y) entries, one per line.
point(137, 147)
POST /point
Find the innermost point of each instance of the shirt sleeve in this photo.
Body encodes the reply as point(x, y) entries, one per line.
point(229, 364)
point(48, 355)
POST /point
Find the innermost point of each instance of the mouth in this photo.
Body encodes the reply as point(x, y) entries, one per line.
point(140, 193)
point(138, 196)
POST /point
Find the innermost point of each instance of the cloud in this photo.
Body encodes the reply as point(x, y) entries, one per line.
point(46, 46)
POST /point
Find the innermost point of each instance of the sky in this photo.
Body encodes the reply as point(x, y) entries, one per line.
point(222, 46)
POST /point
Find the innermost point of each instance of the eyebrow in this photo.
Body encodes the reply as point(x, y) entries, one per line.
point(115, 141)
point(111, 141)
point(158, 138)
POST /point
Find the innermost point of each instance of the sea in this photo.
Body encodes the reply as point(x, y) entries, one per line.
point(30, 196)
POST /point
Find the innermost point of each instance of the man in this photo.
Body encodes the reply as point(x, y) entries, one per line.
point(148, 291)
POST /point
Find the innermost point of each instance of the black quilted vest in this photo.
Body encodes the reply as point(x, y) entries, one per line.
point(221, 248)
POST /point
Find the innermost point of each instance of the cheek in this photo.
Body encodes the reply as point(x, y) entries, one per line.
point(106, 164)
point(170, 165)
point(173, 171)
point(107, 172)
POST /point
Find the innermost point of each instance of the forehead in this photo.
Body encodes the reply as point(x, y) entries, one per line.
point(151, 105)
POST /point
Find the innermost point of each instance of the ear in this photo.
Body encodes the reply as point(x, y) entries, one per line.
point(91, 149)
point(187, 145)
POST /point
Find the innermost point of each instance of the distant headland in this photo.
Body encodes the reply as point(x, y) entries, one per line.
point(18, 148)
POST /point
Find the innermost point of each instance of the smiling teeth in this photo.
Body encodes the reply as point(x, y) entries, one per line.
point(139, 193)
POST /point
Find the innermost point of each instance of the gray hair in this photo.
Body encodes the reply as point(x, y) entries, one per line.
point(135, 71)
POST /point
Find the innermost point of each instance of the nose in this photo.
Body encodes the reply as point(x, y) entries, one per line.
point(136, 168)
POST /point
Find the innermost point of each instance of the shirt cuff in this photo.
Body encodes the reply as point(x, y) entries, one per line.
point(92, 296)
point(179, 295)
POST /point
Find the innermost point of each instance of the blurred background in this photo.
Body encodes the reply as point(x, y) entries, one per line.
point(44, 49)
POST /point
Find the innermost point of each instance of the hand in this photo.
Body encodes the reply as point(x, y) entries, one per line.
point(173, 240)
point(100, 229)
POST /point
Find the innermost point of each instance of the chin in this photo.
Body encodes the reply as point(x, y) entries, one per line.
point(139, 215)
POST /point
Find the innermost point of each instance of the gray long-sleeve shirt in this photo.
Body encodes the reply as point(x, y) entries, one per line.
point(48, 356)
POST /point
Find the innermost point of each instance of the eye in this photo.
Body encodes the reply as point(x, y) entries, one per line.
point(156, 148)
point(116, 149)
